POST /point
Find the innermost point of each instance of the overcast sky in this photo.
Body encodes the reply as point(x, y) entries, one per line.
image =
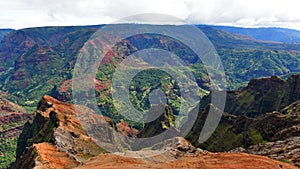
point(247, 13)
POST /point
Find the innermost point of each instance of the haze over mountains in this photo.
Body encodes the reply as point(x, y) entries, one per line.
point(35, 62)
point(283, 35)
point(3, 32)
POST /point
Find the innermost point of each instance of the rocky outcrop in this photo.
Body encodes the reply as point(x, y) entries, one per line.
point(173, 153)
point(166, 150)
point(56, 123)
point(74, 131)
point(177, 147)
point(165, 121)
point(284, 145)
point(58, 139)
point(207, 161)
point(126, 130)
point(45, 156)
point(294, 109)
point(263, 95)
point(236, 131)
point(179, 153)
point(287, 150)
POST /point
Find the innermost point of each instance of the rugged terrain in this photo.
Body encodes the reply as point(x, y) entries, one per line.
point(286, 150)
point(39, 61)
point(58, 141)
point(266, 110)
point(278, 129)
point(56, 122)
point(12, 119)
point(263, 95)
point(35, 56)
point(263, 118)
point(200, 160)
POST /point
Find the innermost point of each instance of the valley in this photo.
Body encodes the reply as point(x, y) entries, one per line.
point(40, 121)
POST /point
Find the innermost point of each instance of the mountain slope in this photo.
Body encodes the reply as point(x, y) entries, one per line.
point(201, 161)
point(245, 58)
point(56, 122)
point(248, 119)
point(276, 123)
point(36, 59)
point(39, 61)
point(35, 56)
point(267, 34)
point(4, 32)
point(263, 95)
point(241, 131)
point(286, 150)
point(56, 142)
point(12, 119)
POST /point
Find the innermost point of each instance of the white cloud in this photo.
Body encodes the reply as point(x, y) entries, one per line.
point(31, 13)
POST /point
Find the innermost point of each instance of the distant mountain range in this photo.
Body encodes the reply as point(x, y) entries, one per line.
point(3, 32)
point(283, 35)
point(275, 34)
point(32, 56)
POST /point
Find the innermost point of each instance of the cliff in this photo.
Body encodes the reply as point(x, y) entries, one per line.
point(55, 124)
point(56, 139)
point(263, 95)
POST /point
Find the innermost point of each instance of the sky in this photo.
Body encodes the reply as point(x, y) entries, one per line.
point(19, 14)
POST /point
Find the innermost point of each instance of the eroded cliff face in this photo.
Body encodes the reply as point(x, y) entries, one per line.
point(263, 95)
point(286, 150)
point(75, 131)
point(284, 144)
point(45, 156)
point(242, 131)
point(267, 110)
point(57, 139)
point(12, 119)
point(56, 124)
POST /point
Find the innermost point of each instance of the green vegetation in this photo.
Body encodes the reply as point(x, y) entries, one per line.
point(49, 62)
point(7, 151)
point(285, 161)
point(262, 96)
point(8, 145)
point(11, 125)
point(242, 65)
point(241, 131)
point(90, 149)
point(256, 136)
point(45, 65)
point(40, 130)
